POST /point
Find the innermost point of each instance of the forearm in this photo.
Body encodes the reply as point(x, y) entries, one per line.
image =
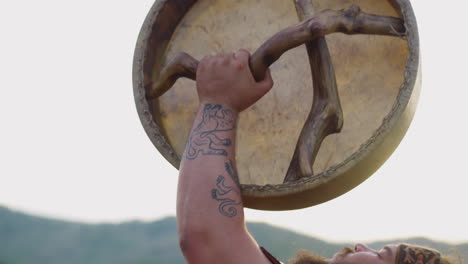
point(210, 213)
point(208, 201)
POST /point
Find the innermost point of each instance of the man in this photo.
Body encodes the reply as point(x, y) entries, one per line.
point(210, 213)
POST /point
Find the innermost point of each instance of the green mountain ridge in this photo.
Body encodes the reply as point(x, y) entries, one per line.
point(26, 239)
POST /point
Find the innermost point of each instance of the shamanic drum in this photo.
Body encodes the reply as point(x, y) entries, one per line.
point(377, 79)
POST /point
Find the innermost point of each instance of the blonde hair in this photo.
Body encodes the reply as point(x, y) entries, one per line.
point(452, 259)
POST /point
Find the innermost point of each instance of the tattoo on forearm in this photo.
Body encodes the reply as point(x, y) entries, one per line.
point(206, 138)
point(221, 193)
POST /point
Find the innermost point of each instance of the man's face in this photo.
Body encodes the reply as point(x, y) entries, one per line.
point(364, 255)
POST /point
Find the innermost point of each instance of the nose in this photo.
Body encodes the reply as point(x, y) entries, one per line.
point(361, 248)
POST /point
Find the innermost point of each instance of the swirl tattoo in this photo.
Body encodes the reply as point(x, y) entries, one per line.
point(227, 206)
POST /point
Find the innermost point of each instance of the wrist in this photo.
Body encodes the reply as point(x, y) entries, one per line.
point(219, 107)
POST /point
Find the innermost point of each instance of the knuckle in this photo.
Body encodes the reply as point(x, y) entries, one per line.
point(224, 60)
point(245, 52)
point(239, 65)
point(205, 60)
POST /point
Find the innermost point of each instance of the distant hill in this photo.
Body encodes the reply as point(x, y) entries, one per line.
point(26, 239)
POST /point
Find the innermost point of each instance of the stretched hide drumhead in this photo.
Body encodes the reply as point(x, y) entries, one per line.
point(377, 79)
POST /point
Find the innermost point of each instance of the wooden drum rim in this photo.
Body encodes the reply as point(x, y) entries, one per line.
point(334, 181)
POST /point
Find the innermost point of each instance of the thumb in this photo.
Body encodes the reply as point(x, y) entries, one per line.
point(265, 85)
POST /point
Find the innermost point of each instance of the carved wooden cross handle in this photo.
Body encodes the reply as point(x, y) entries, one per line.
point(326, 115)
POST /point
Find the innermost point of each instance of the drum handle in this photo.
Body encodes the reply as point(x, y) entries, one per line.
point(326, 115)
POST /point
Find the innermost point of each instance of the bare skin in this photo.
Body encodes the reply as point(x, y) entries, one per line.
point(210, 215)
point(364, 255)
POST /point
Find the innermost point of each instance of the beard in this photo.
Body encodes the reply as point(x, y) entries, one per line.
point(307, 257)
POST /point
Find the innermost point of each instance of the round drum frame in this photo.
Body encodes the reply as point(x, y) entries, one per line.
point(152, 43)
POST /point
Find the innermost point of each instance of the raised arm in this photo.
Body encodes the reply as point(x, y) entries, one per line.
point(210, 213)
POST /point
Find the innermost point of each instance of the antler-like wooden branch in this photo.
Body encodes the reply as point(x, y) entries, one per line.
point(326, 116)
point(348, 21)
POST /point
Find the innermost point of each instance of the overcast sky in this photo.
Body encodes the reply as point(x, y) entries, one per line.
point(72, 146)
